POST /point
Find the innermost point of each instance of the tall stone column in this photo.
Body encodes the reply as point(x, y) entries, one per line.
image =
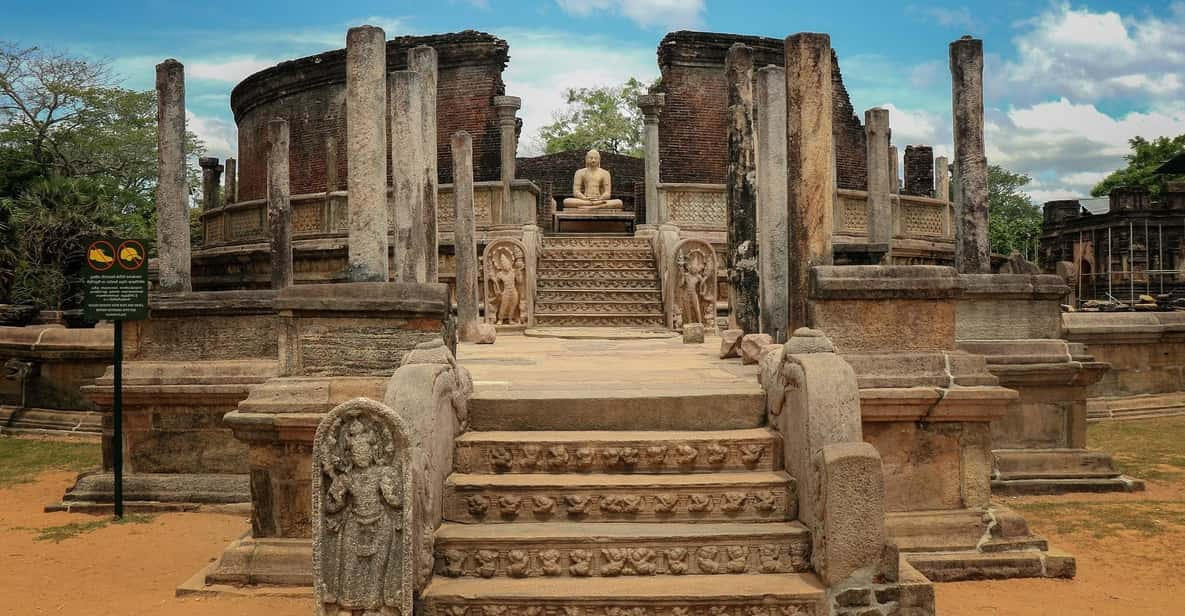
point(279, 203)
point(941, 179)
point(407, 165)
point(651, 105)
point(741, 196)
point(880, 202)
point(172, 196)
point(507, 106)
point(211, 179)
point(971, 190)
point(772, 230)
point(810, 159)
point(366, 153)
point(894, 171)
point(230, 183)
point(464, 230)
point(423, 60)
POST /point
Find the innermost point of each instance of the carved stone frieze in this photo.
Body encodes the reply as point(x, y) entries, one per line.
point(629, 456)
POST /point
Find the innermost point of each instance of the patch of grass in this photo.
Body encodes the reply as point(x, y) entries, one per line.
point(1106, 519)
point(1145, 449)
point(22, 459)
point(57, 534)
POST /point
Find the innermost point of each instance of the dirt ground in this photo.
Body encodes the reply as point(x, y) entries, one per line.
point(1127, 546)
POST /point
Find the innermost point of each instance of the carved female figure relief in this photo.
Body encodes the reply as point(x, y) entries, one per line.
point(505, 274)
point(361, 531)
point(695, 284)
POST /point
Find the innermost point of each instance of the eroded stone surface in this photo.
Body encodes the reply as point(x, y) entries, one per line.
point(693, 333)
point(752, 346)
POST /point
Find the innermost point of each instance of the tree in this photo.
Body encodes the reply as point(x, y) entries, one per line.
point(1014, 222)
point(1145, 157)
point(605, 118)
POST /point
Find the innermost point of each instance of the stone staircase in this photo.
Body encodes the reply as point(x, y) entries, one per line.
point(597, 281)
point(644, 522)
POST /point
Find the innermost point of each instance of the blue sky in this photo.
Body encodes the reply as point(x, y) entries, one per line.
point(1067, 83)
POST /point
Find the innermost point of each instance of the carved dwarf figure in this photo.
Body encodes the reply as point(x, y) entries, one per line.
point(592, 186)
point(363, 492)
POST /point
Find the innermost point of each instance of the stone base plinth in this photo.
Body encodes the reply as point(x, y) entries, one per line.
point(263, 562)
point(17, 421)
point(1057, 471)
point(93, 492)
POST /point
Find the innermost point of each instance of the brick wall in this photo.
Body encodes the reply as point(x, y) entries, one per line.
point(693, 135)
point(553, 174)
point(310, 94)
point(919, 170)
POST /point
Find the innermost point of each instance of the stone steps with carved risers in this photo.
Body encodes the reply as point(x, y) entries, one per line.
point(599, 320)
point(543, 296)
point(612, 549)
point(656, 452)
point(711, 497)
point(789, 594)
point(646, 264)
point(608, 254)
point(598, 284)
point(647, 274)
point(593, 241)
point(598, 306)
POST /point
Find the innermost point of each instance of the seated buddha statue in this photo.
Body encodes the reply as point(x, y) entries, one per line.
point(592, 186)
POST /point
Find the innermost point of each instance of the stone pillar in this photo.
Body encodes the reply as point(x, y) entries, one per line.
point(279, 203)
point(211, 179)
point(366, 153)
point(772, 230)
point(894, 170)
point(465, 230)
point(810, 158)
point(741, 195)
point(172, 196)
point(507, 106)
point(651, 105)
point(230, 186)
point(407, 165)
point(919, 170)
point(941, 179)
point(880, 189)
point(971, 190)
point(422, 59)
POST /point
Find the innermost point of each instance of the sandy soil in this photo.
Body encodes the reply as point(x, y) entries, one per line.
point(1121, 575)
point(119, 570)
point(134, 568)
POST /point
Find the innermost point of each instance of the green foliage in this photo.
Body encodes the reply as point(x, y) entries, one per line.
point(58, 534)
point(605, 118)
point(1014, 222)
point(21, 459)
point(1145, 157)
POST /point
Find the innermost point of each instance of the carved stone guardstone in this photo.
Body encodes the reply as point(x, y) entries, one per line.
point(505, 271)
point(692, 272)
point(363, 559)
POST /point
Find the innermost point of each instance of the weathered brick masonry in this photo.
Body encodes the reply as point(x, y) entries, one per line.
point(693, 135)
point(919, 170)
point(310, 93)
point(552, 173)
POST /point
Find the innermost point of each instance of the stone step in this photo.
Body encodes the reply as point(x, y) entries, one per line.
point(592, 242)
point(597, 264)
point(731, 406)
point(648, 273)
point(789, 594)
point(598, 307)
point(768, 496)
point(611, 254)
point(598, 285)
point(599, 320)
point(609, 549)
point(594, 295)
point(596, 451)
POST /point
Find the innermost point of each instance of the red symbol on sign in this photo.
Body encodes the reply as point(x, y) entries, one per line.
point(100, 256)
point(131, 255)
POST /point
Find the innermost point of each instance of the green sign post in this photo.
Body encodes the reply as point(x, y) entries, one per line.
point(115, 280)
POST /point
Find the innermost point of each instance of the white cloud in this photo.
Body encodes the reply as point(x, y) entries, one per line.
point(948, 18)
point(220, 136)
point(545, 64)
point(669, 14)
point(230, 70)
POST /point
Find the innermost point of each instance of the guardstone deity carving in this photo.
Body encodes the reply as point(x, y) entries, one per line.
point(504, 268)
point(694, 272)
point(592, 186)
point(362, 520)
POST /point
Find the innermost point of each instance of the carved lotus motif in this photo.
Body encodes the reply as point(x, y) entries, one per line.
point(550, 562)
point(517, 563)
point(751, 454)
point(717, 453)
point(477, 505)
point(501, 459)
point(733, 502)
point(581, 563)
point(487, 563)
point(454, 563)
point(677, 561)
point(699, 503)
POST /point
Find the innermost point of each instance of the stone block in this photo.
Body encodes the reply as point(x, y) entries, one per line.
point(752, 345)
point(479, 333)
point(693, 333)
point(730, 343)
point(850, 530)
